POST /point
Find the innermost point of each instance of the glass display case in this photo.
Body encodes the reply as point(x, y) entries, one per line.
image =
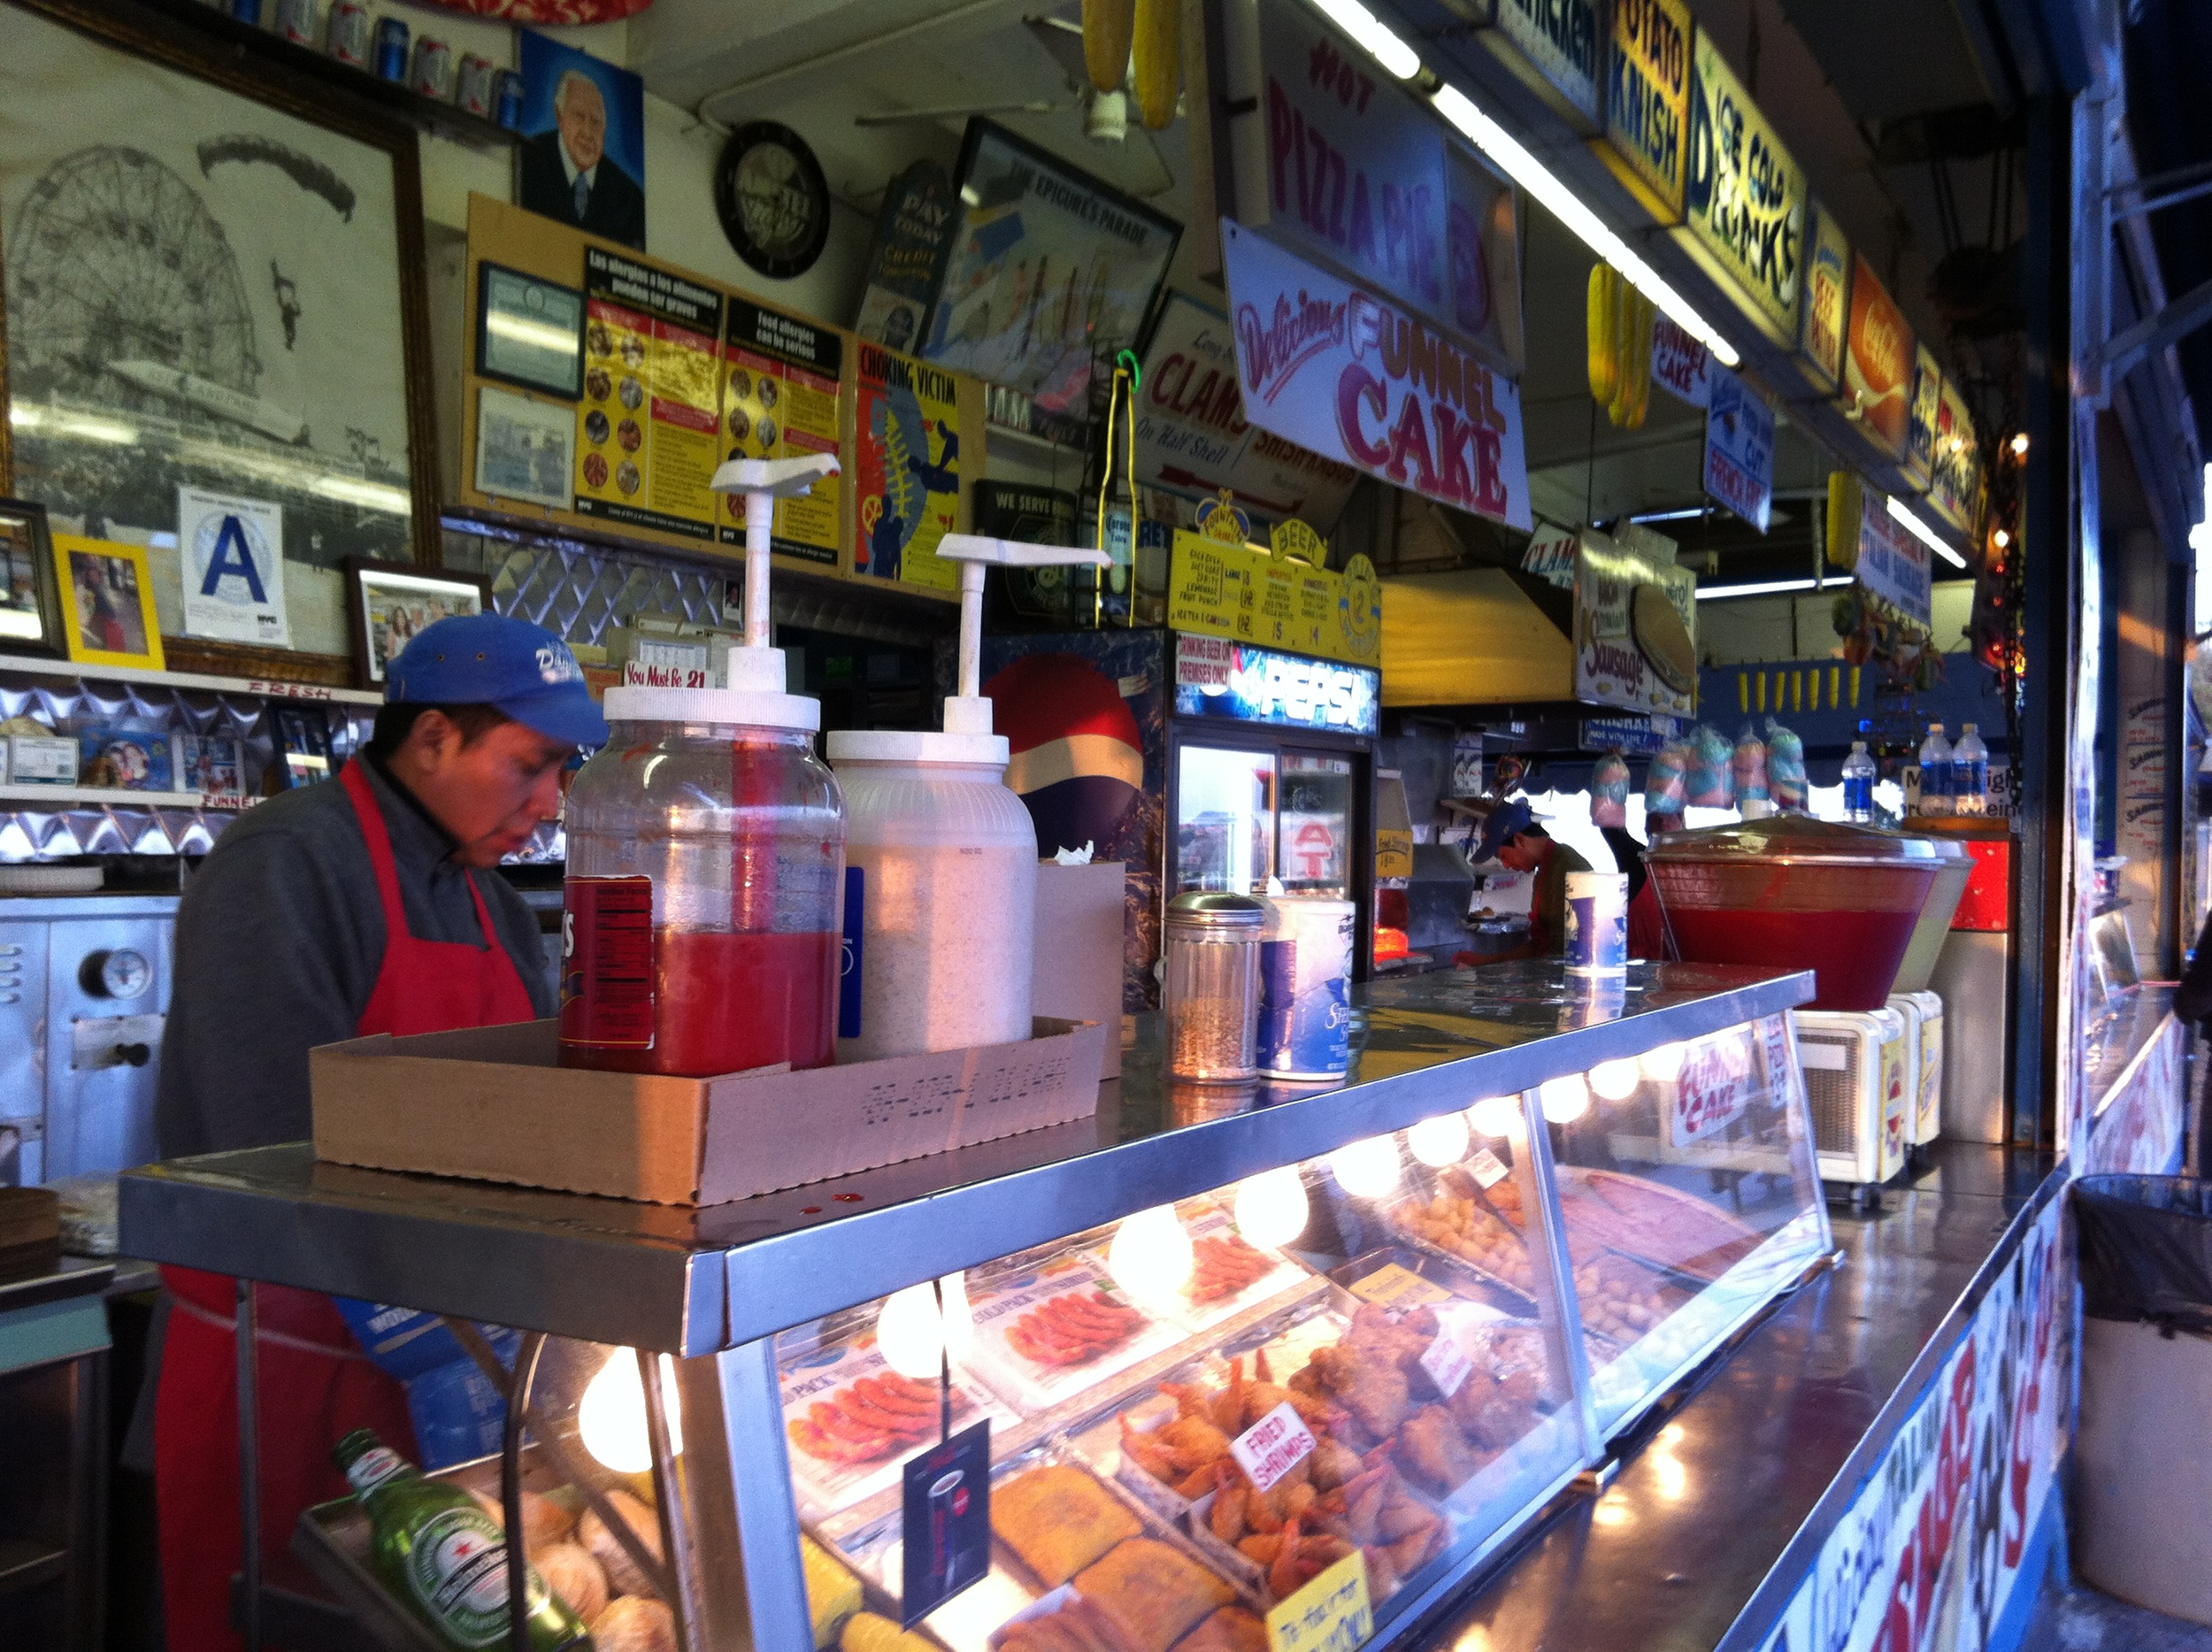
point(1229, 1341)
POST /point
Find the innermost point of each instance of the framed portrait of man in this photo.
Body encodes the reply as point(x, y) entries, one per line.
point(582, 160)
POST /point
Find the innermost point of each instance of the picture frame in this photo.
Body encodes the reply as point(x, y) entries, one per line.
point(524, 449)
point(387, 602)
point(106, 592)
point(30, 606)
point(520, 320)
point(303, 375)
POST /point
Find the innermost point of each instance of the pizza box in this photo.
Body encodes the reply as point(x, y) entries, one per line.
point(495, 1104)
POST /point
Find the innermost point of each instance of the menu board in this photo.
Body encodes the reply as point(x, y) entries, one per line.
point(779, 384)
point(646, 429)
point(1827, 294)
point(1253, 595)
point(1648, 102)
point(906, 466)
point(1744, 195)
point(1878, 361)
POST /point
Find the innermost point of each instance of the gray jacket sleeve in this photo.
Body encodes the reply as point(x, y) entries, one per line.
point(272, 957)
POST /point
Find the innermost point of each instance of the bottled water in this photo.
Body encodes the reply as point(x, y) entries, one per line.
point(1858, 785)
point(1970, 772)
point(1935, 772)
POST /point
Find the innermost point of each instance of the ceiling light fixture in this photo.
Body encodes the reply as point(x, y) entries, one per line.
point(1673, 516)
point(1372, 33)
point(1922, 531)
point(1530, 173)
point(1764, 587)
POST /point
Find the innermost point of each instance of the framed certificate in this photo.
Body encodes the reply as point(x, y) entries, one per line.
point(529, 332)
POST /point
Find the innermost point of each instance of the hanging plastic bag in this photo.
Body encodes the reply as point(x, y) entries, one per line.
point(1750, 767)
point(1665, 784)
point(1609, 791)
point(1711, 781)
point(1785, 767)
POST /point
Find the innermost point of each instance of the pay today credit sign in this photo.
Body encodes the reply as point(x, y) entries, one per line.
point(1353, 377)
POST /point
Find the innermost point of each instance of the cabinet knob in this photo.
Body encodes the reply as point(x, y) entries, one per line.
point(135, 1055)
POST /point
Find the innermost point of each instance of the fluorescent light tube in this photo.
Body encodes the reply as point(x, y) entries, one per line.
point(1765, 587)
point(1922, 531)
point(1370, 32)
point(1530, 173)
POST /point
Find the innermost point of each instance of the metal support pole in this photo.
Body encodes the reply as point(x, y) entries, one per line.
point(760, 1476)
point(669, 1485)
point(518, 1383)
point(243, 1334)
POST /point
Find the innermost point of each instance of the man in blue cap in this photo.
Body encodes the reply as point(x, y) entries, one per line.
point(336, 911)
point(1512, 837)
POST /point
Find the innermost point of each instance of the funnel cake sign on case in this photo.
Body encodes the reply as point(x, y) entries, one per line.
point(1353, 377)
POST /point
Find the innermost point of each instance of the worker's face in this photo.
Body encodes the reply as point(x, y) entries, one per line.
point(490, 793)
point(1522, 854)
point(583, 118)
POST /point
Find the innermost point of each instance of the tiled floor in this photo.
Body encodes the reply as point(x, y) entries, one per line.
point(2077, 1618)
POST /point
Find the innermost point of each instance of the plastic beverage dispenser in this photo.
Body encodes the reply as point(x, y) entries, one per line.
point(706, 857)
point(946, 855)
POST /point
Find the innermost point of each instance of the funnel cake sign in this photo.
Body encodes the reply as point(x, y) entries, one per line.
point(1353, 377)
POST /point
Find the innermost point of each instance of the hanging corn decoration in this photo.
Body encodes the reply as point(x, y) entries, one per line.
point(1604, 321)
point(1157, 60)
point(1107, 28)
point(1623, 350)
point(1637, 369)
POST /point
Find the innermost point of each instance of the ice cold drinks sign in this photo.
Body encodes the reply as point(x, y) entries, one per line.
point(1335, 369)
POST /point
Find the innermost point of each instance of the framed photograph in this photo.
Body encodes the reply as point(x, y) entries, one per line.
point(30, 610)
point(1050, 271)
point(525, 449)
point(529, 332)
point(214, 280)
point(304, 741)
point(388, 604)
point(107, 601)
point(581, 160)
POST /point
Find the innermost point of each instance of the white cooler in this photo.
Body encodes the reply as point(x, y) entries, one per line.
point(1859, 1077)
point(1924, 1038)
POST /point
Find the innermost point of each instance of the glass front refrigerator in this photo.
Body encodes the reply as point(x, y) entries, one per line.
point(1270, 776)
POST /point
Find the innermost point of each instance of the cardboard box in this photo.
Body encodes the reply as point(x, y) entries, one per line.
point(494, 1103)
point(1077, 971)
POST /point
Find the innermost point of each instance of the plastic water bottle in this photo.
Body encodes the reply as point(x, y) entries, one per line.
point(1970, 772)
point(1935, 772)
point(1858, 785)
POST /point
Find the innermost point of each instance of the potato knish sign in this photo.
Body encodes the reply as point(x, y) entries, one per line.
point(1345, 374)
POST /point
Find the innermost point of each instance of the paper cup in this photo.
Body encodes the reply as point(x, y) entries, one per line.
point(1597, 923)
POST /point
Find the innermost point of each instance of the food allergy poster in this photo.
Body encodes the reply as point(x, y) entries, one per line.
point(1744, 198)
point(1337, 370)
point(907, 425)
point(647, 427)
point(780, 388)
point(1050, 271)
point(1739, 448)
point(1192, 434)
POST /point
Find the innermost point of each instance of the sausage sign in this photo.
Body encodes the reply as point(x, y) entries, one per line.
point(1353, 377)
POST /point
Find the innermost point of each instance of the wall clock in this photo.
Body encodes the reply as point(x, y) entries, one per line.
point(772, 200)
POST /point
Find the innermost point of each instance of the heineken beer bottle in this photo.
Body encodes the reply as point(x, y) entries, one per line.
point(438, 1550)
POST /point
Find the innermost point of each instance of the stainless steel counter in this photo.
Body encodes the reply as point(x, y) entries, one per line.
point(691, 1281)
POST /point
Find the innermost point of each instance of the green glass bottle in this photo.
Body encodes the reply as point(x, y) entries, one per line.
point(437, 1550)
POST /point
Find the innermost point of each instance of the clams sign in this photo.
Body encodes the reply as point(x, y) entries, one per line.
point(1354, 377)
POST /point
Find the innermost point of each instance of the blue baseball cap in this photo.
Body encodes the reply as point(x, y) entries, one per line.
point(509, 664)
point(1504, 823)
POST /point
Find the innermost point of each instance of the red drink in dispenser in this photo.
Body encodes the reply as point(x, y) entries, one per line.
point(706, 853)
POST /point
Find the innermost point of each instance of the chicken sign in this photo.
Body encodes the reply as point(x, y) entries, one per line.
point(1349, 376)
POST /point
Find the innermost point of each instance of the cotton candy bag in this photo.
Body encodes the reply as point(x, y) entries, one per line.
point(1609, 791)
point(1785, 767)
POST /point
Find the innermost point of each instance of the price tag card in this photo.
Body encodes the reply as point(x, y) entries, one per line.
point(1391, 1286)
point(1447, 1363)
point(946, 1524)
point(1488, 1168)
point(1331, 1614)
point(1277, 1443)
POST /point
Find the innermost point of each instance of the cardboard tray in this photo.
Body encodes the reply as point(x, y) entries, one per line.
point(494, 1104)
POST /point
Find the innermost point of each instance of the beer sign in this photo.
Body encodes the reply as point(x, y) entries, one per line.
point(1921, 413)
point(1743, 195)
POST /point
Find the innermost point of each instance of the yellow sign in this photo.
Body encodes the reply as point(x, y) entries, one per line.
point(1391, 1286)
point(1249, 595)
point(1220, 520)
point(1393, 853)
point(1331, 1614)
point(1292, 538)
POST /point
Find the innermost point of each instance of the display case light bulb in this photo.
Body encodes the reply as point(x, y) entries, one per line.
point(1366, 1170)
point(1565, 1099)
point(1616, 1080)
point(610, 1417)
point(912, 1333)
point(1663, 1066)
point(1151, 1256)
point(1270, 1208)
point(1496, 1115)
point(1439, 1140)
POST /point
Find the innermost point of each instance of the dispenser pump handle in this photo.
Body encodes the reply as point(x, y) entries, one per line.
point(969, 712)
point(763, 482)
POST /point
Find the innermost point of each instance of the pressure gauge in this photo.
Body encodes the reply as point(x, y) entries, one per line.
point(119, 974)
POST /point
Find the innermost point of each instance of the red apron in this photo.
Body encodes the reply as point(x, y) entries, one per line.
point(315, 1382)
